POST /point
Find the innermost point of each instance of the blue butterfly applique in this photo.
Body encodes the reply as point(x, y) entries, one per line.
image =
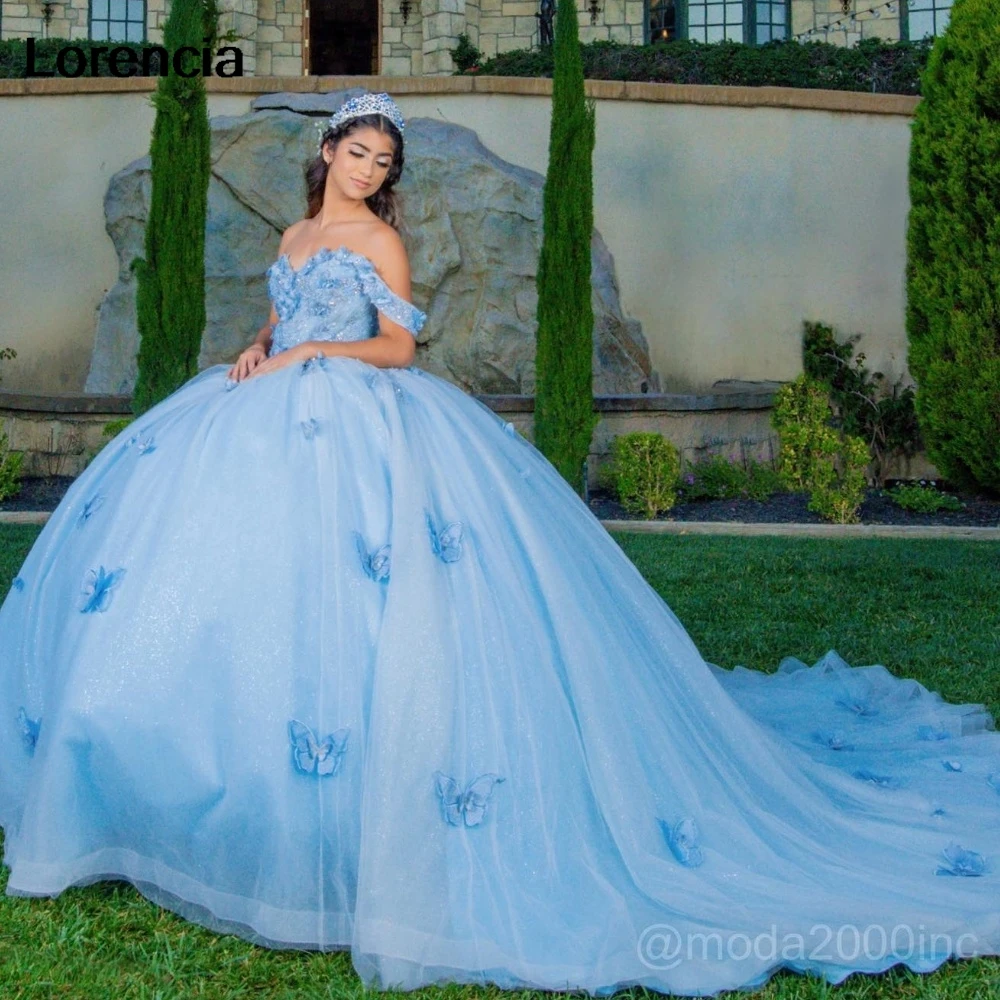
point(860, 706)
point(952, 765)
point(87, 511)
point(30, 729)
point(959, 861)
point(313, 364)
point(145, 446)
point(446, 544)
point(509, 428)
point(97, 587)
point(930, 733)
point(468, 806)
point(837, 740)
point(882, 780)
point(937, 810)
point(376, 563)
point(312, 756)
point(310, 428)
point(682, 839)
point(18, 583)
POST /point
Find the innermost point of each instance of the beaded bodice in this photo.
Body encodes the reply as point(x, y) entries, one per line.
point(334, 295)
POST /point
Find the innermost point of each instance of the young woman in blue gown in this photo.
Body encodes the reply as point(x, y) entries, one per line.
point(321, 653)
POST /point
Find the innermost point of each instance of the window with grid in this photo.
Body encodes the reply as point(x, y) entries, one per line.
point(755, 22)
point(118, 20)
point(924, 17)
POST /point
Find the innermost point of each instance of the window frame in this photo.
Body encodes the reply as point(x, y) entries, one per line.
point(682, 26)
point(108, 21)
point(904, 20)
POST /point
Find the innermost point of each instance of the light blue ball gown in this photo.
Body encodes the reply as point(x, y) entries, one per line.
point(331, 658)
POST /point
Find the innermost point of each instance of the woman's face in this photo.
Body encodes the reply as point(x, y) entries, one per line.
point(360, 163)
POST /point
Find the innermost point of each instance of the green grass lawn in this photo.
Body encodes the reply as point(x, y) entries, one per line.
point(926, 609)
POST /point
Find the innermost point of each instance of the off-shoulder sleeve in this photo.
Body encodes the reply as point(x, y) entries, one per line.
point(384, 299)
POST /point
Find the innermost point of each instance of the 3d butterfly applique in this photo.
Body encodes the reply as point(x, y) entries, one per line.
point(313, 364)
point(859, 706)
point(312, 756)
point(145, 446)
point(881, 780)
point(468, 806)
point(310, 428)
point(88, 509)
point(959, 861)
point(930, 733)
point(376, 563)
point(837, 740)
point(97, 588)
point(952, 765)
point(30, 729)
point(18, 583)
point(446, 544)
point(682, 839)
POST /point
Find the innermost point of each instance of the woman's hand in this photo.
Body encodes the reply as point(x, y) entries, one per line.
point(251, 358)
point(290, 356)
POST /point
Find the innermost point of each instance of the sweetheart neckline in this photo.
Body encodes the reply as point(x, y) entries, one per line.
point(334, 252)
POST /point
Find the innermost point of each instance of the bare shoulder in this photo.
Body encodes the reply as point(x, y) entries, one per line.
point(388, 254)
point(289, 234)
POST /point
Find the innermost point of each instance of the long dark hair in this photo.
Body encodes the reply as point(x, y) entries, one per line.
point(383, 201)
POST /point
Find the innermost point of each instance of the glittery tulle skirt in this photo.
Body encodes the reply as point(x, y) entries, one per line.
point(333, 658)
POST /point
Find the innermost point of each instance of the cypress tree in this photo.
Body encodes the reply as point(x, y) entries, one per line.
point(953, 249)
point(564, 418)
point(170, 295)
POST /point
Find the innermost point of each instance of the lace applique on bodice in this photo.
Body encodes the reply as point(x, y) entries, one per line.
point(334, 295)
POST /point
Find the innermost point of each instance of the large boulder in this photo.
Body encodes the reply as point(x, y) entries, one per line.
point(473, 231)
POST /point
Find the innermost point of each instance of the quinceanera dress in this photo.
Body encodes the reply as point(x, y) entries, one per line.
point(332, 658)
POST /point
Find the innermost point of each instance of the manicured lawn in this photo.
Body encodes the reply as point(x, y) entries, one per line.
point(924, 609)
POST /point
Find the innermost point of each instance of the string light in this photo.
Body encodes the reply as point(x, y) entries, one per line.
point(845, 23)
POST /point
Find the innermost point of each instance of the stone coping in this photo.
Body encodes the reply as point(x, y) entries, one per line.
point(612, 90)
point(791, 530)
point(731, 395)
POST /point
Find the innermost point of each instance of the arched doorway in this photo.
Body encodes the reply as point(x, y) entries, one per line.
point(342, 37)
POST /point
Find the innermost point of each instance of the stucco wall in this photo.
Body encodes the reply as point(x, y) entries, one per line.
point(733, 213)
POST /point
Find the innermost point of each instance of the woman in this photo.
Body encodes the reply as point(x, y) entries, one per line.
point(320, 653)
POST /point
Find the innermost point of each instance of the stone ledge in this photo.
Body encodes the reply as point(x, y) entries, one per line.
point(728, 395)
point(615, 90)
point(67, 402)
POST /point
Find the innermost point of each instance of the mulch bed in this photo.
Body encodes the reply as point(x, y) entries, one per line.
point(45, 493)
point(784, 508)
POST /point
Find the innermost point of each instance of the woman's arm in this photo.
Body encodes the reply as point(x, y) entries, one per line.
point(263, 338)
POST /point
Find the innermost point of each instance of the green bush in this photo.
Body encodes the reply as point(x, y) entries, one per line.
point(465, 55)
point(923, 499)
point(953, 249)
point(838, 484)
point(862, 407)
point(801, 415)
point(718, 479)
point(644, 469)
point(816, 457)
point(10, 469)
point(115, 427)
point(872, 66)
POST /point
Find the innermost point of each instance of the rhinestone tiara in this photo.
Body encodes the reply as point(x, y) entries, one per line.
point(365, 104)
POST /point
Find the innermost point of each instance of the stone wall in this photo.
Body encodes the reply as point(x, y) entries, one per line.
point(59, 435)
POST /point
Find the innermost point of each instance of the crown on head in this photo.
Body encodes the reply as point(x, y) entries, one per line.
point(365, 104)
